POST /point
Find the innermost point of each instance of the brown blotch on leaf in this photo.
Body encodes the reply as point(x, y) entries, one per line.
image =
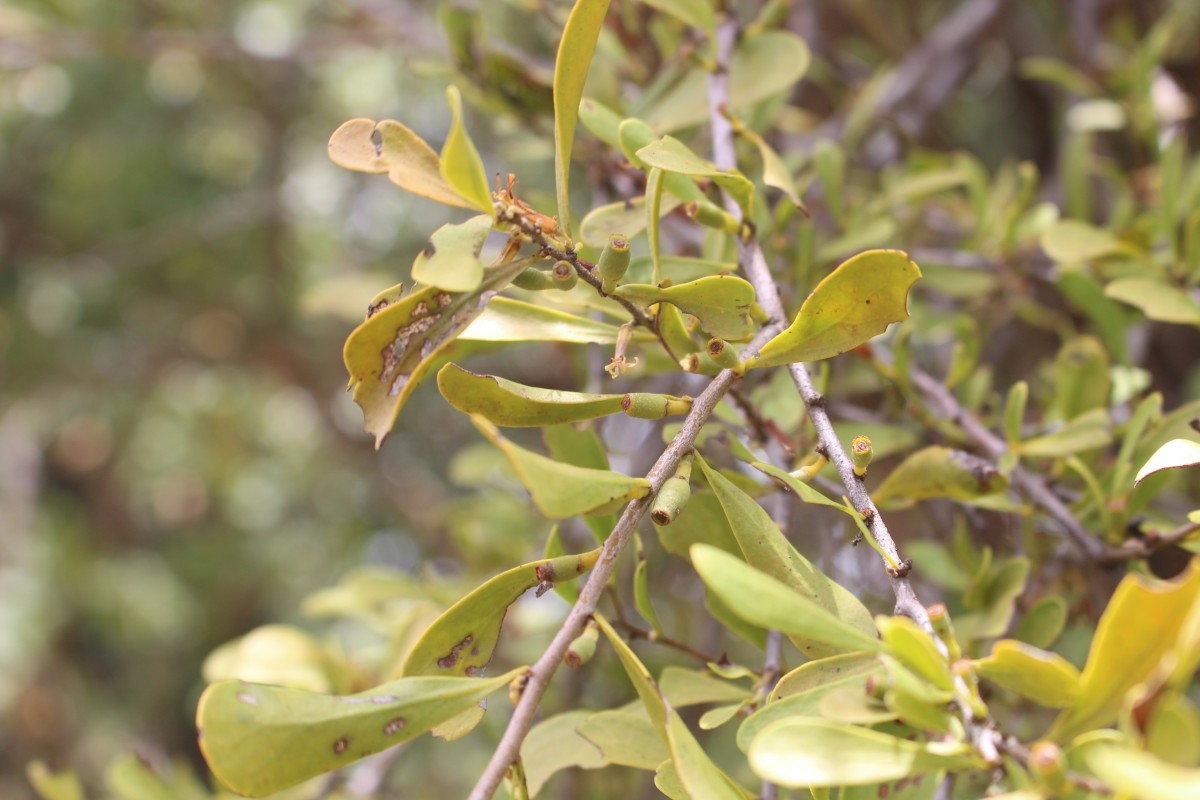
point(450, 659)
point(394, 726)
point(340, 745)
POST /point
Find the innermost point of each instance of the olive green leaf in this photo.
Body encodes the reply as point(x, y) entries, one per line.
point(632, 136)
point(451, 259)
point(1174, 454)
point(626, 737)
point(690, 687)
point(1046, 678)
point(1140, 775)
point(1157, 300)
point(775, 173)
point(697, 13)
point(564, 490)
point(625, 217)
point(762, 66)
point(462, 640)
point(555, 744)
point(131, 778)
point(389, 354)
point(1157, 611)
point(409, 162)
point(853, 304)
point(764, 601)
point(601, 120)
point(508, 320)
point(992, 597)
point(1089, 430)
point(805, 492)
point(915, 649)
point(1074, 241)
point(806, 752)
point(940, 472)
point(50, 785)
point(671, 155)
point(259, 739)
point(512, 404)
point(765, 548)
point(722, 303)
point(461, 165)
point(1081, 378)
point(1043, 623)
point(641, 597)
point(570, 73)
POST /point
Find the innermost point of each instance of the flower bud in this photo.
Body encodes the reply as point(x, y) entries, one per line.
point(643, 405)
point(726, 357)
point(563, 276)
point(614, 261)
point(582, 647)
point(533, 279)
point(860, 454)
point(710, 215)
point(674, 494)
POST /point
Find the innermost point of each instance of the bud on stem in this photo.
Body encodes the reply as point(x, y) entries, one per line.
point(582, 647)
point(860, 454)
point(710, 215)
point(654, 406)
point(613, 263)
point(726, 357)
point(534, 280)
point(563, 276)
point(674, 494)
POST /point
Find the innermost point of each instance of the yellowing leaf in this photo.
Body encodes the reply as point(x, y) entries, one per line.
point(461, 641)
point(1046, 678)
point(461, 165)
point(51, 785)
point(570, 73)
point(555, 744)
point(722, 303)
point(1154, 610)
point(1157, 300)
point(409, 162)
point(565, 490)
point(1174, 454)
point(451, 259)
point(1140, 775)
point(1089, 430)
point(504, 402)
point(260, 739)
point(807, 752)
point(853, 304)
point(915, 649)
point(940, 472)
point(508, 320)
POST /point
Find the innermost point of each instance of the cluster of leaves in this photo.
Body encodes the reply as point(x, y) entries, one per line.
point(999, 686)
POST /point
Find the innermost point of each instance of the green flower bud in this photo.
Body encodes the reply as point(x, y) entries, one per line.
point(711, 215)
point(726, 357)
point(654, 406)
point(860, 454)
point(582, 647)
point(533, 279)
point(614, 261)
point(1048, 766)
point(563, 276)
point(674, 494)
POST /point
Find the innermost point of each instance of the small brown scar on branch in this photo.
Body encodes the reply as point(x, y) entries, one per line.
point(902, 569)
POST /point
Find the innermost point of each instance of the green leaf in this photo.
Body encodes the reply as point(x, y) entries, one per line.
point(280, 654)
point(722, 303)
point(1081, 380)
point(600, 120)
point(462, 640)
point(461, 165)
point(451, 259)
point(765, 548)
point(915, 649)
point(50, 785)
point(762, 66)
point(1174, 454)
point(1173, 732)
point(764, 601)
point(671, 155)
point(260, 739)
point(1087, 431)
point(131, 778)
point(775, 172)
point(627, 738)
point(409, 162)
point(1140, 775)
point(508, 320)
point(555, 744)
point(689, 687)
point(853, 304)
point(571, 67)
point(701, 520)
point(1156, 611)
point(564, 490)
point(805, 752)
point(1046, 678)
point(1072, 241)
point(641, 597)
point(940, 472)
point(993, 595)
point(624, 217)
point(389, 354)
point(1043, 623)
point(805, 492)
point(504, 402)
point(1157, 300)
point(697, 13)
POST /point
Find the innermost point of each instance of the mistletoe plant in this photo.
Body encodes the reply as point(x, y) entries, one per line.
point(889, 705)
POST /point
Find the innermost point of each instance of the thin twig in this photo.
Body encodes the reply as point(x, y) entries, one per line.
point(539, 674)
point(753, 263)
point(772, 668)
point(638, 632)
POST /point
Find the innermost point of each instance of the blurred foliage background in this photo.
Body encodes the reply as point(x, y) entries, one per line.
point(180, 263)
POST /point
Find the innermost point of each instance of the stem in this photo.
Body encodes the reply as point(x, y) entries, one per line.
point(754, 264)
point(539, 674)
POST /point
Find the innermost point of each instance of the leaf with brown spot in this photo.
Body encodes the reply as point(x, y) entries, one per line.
point(722, 303)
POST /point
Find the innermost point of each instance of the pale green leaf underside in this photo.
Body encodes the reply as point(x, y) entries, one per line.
point(507, 403)
point(852, 305)
point(673, 156)
point(1174, 454)
point(720, 302)
point(260, 739)
point(1157, 300)
point(451, 259)
point(508, 320)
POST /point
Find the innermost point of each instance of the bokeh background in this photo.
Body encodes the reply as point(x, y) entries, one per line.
point(180, 264)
